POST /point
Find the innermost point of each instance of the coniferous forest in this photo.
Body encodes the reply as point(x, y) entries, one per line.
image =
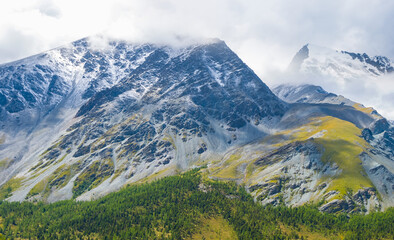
point(185, 206)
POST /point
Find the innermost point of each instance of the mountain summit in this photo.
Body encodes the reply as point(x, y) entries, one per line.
point(77, 117)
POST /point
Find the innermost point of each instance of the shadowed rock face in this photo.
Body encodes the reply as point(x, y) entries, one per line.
point(367, 134)
point(352, 203)
point(34, 87)
point(211, 77)
point(380, 126)
point(384, 143)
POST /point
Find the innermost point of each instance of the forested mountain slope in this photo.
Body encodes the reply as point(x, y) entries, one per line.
point(187, 206)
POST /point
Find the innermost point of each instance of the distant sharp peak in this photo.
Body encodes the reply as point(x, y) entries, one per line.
point(311, 55)
point(310, 50)
point(299, 58)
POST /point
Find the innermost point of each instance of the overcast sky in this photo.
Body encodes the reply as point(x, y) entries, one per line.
point(265, 34)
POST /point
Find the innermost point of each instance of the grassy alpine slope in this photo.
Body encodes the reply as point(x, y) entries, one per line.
point(185, 206)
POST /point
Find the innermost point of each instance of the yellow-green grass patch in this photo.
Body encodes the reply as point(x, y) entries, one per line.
point(10, 186)
point(59, 178)
point(4, 162)
point(367, 110)
point(215, 228)
point(160, 174)
point(38, 188)
point(229, 168)
point(93, 175)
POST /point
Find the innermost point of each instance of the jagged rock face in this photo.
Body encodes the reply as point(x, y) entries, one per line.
point(380, 126)
point(363, 198)
point(33, 87)
point(383, 143)
point(291, 174)
point(367, 134)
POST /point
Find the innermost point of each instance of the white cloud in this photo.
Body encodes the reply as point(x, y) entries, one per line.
point(49, 8)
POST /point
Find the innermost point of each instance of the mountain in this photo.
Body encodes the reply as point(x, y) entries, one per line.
point(125, 112)
point(355, 75)
point(79, 122)
point(377, 158)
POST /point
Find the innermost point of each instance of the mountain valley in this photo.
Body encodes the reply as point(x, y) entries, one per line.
point(79, 122)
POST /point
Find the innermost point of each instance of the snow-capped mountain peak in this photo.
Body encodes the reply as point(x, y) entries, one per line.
point(313, 58)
